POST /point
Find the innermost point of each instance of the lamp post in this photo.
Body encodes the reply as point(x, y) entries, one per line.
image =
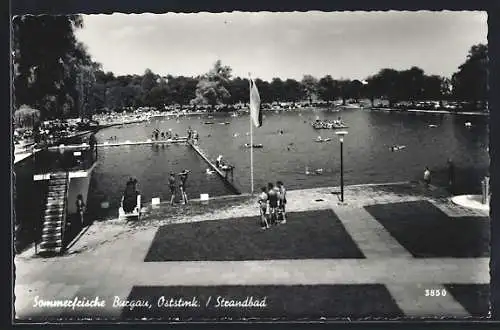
point(341, 135)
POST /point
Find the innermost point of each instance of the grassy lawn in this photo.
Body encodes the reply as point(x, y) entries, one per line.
point(304, 302)
point(306, 235)
point(427, 232)
point(474, 297)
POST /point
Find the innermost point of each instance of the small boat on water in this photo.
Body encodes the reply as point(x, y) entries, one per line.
point(247, 145)
point(432, 126)
point(468, 124)
point(397, 147)
point(225, 123)
point(209, 123)
point(320, 139)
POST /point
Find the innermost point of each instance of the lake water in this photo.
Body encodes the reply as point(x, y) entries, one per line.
point(367, 154)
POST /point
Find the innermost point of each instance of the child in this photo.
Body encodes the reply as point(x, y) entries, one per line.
point(183, 175)
point(263, 208)
point(80, 209)
point(282, 201)
point(172, 184)
point(427, 176)
point(272, 196)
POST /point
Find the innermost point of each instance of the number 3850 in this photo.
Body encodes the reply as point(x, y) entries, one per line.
point(435, 292)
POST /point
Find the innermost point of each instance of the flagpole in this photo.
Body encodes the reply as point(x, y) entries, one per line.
point(251, 140)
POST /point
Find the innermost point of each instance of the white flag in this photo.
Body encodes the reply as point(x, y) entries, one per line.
point(255, 104)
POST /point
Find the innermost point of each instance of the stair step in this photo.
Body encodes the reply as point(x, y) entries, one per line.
point(47, 230)
point(53, 210)
point(49, 250)
point(52, 215)
point(55, 199)
point(52, 223)
point(58, 179)
point(51, 244)
point(54, 205)
point(51, 236)
point(56, 189)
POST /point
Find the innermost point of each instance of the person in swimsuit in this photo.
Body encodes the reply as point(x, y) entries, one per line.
point(282, 200)
point(80, 209)
point(427, 176)
point(130, 196)
point(272, 195)
point(182, 185)
point(263, 208)
point(172, 184)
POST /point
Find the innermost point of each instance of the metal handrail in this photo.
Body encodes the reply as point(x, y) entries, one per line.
point(65, 210)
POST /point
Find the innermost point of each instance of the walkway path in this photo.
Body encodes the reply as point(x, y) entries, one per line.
point(109, 260)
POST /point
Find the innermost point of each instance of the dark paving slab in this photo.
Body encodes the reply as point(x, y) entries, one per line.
point(306, 235)
point(427, 232)
point(281, 302)
point(474, 297)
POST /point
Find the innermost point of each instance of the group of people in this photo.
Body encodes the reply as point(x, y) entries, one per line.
point(164, 135)
point(172, 183)
point(272, 202)
point(192, 134)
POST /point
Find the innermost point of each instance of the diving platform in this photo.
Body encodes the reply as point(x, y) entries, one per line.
point(223, 176)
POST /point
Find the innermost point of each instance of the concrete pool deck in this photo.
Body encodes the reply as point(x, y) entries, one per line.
point(108, 259)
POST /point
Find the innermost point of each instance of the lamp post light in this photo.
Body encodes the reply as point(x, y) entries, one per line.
point(341, 135)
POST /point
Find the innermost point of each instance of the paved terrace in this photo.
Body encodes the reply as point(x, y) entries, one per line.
point(109, 259)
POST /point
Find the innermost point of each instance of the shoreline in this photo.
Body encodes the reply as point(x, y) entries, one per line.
point(437, 112)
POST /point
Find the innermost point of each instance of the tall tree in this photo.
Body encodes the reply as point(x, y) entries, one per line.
point(328, 89)
point(310, 84)
point(211, 88)
point(293, 90)
point(46, 60)
point(277, 87)
point(265, 91)
point(470, 81)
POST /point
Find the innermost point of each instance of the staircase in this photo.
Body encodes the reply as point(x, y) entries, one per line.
point(54, 223)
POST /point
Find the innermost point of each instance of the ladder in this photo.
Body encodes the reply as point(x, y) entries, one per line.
point(54, 224)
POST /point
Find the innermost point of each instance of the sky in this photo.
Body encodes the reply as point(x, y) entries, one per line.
point(350, 45)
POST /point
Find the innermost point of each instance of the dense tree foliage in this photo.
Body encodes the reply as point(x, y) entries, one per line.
point(48, 64)
point(470, 81)
point(54, 73)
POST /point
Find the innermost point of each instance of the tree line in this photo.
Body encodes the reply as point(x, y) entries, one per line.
point(54, 73)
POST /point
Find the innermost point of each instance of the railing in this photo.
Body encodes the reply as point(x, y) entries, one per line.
point(65, 212)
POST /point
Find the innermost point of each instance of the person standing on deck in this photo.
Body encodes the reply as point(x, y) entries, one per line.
point(272, 195)
point(427, 177)
point(263, 208)
point(80, 209)
point(282, 200)
point(172, 184)
point(183, 176)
